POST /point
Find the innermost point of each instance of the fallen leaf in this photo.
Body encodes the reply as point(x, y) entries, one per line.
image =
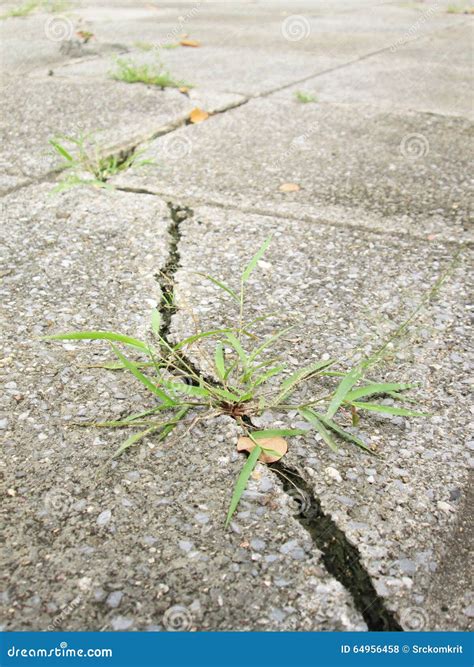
point(197, 115)
point(289, 187)
point(183, 89)
point(190, 42)
point(276, 444)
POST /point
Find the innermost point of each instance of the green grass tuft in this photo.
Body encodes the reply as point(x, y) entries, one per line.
point(305, 98)
point(250, 380)
point(152, 74)
point(86, 162)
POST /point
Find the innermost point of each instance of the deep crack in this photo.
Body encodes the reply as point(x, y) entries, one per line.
point(341, 558)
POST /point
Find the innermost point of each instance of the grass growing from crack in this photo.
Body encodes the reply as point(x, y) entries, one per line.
point(456, 9)
point(152, 74)
point(22, 10)
point(30, 6)
point(244, 365)
point(305, 98)
point(86, 162)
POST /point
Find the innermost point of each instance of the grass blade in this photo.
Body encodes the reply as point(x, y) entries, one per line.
point(242, 481)
point(389, 409)
point(272, 432)
point(155, 321)
point(312, 418)
point(187, 389)
point(346, 435)
point(134, 439)
point(344, 387)
point(220, 285)
point(288, 384)
point(255, 260)
point(268, 342)
point(195, 337)
point(226, 395)
point(101, 335)
point(173, 423)
point(219, 361)
point(61, 150)
point(238, 348)
point(376, 388)
point(266, 376)
point(146, 382)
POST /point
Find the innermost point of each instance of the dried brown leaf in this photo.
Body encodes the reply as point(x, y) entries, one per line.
point(197, 115)
point(276, 444)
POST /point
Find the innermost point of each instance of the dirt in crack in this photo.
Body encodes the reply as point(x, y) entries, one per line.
point(340, 557)
point(166, 275)
point(181, 364)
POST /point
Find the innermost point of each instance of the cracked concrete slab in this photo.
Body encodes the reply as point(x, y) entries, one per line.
point(138, 543)
point(87, 260)
point(354, 166)
point(251, 48)
point(345, 290)
point(119, 116)
point(432, 74)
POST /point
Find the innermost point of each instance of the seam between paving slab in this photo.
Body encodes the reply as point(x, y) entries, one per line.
point(255, 210)
point(131, 146)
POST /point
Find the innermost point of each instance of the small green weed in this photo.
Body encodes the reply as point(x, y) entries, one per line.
point(30, 6)
point(247, 373)
point(305, 98)
point(22, 10)
point(86, 163)
point(456, 9)
point(144, 46)
point(151, 74)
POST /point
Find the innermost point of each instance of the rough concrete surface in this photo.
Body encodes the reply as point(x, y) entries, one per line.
point(380, 206)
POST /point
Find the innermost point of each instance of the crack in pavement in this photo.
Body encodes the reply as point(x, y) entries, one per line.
point(341, 558)
point(131, 146)
point(255, 210)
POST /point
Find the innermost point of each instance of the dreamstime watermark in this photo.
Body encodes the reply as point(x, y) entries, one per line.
point(178, 29)
point(414, 618)
point(65, 613)
point(295, 28)
point(177, 619)
point(176, 146)
point(57, 501)
point(414, 146)
point(58, 29)
point(414, 28)
point(298, 503)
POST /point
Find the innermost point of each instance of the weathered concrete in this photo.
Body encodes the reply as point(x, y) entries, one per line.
point(83, 261)
point(432, 74)
point(382, 161)
point(346, 291)
point(354, 165)
point(118, 115)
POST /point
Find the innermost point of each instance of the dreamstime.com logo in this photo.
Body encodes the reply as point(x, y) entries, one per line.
point(176, 146)
point(414, 146)
point(58, 29)
point(178, 28)
point(414, 618)
point(61, 651)
point(295, 28)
